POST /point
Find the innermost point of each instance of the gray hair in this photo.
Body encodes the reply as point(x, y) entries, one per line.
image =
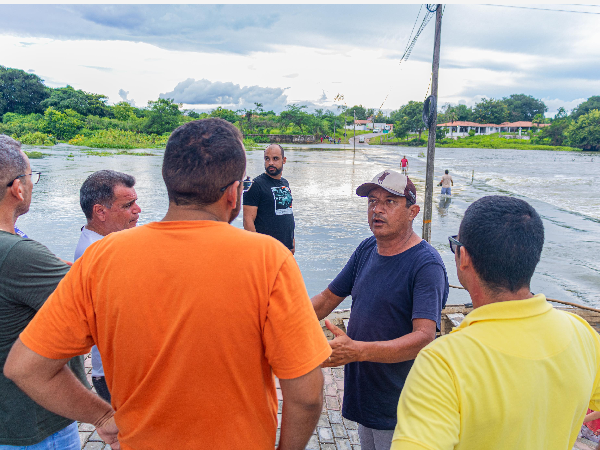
point(12, 163)
point(99, 189)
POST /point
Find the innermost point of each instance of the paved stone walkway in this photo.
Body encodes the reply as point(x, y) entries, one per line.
point(333, 431)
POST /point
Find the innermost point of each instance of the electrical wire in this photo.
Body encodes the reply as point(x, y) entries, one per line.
point(542, 9)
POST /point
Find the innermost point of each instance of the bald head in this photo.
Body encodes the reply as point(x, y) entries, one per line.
point(274, 160)
point(276, 147)
point(12, 161)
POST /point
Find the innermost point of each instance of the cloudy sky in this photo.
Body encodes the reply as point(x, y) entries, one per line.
point(234, 55)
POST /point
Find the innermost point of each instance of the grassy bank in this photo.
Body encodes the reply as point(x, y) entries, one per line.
point(491, 141)
point(119, 139)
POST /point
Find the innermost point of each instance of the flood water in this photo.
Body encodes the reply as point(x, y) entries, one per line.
point(331, 220)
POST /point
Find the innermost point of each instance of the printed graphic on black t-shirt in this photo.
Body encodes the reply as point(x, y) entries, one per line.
point(283, 200)
point(275, 215)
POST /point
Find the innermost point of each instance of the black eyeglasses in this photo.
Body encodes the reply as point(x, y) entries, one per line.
point(35, 177)
point(246, 183)
point(454, 244)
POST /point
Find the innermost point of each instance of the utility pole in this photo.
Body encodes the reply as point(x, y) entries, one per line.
point(354, 138)
point(428, 207)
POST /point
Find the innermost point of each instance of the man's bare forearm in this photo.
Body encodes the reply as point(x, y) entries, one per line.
point(404, 348)
point(302, 405)
point(325, 302)
point(58, 391)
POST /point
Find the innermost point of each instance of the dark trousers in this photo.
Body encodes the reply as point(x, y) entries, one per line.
point(101, 388)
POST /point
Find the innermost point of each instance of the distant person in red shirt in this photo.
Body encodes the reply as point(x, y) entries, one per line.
point(404, 165)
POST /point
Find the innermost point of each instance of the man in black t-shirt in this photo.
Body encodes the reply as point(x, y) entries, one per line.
point(268, 202)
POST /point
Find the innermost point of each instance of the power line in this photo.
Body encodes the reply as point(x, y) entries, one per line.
point(543, 9)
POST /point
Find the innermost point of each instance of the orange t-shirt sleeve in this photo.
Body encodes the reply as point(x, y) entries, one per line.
point(294, 341)
point(61, 328)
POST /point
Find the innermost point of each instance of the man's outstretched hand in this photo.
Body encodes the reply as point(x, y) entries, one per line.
point(345, 350)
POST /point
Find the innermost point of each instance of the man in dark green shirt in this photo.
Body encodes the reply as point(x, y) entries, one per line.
point(29, 273)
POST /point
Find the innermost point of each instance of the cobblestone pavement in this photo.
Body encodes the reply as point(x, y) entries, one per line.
point(333, 431)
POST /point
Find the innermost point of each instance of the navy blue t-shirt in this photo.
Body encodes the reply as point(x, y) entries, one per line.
point(388, 292)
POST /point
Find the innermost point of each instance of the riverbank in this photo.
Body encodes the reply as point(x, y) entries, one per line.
point(483, 142)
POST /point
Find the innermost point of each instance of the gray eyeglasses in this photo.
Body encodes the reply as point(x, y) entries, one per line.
point(35, 177)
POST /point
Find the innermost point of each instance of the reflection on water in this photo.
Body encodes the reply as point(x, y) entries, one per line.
point(331, 220)
point(444, 204)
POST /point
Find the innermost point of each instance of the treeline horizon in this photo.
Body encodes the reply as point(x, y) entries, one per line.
point(39, 115)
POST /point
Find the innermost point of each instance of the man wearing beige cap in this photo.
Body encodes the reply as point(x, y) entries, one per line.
point(399, 286)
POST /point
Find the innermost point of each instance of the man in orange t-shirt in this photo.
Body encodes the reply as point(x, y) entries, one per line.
point(192, 317)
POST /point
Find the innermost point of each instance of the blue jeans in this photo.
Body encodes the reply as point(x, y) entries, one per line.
point(446, 191)
point(65, 439)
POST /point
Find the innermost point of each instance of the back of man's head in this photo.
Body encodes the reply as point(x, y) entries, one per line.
point(201, 158)
point(446, 172)
point(12, 163)
point(504, 237)
point(99, 189)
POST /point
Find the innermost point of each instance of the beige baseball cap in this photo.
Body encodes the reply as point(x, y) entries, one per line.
point(393, 182)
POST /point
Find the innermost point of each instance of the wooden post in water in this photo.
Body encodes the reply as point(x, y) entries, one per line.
point(428, 207)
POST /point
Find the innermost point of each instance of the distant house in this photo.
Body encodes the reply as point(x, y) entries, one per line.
point(462, 128)
point(361, 125)
point(513, 127)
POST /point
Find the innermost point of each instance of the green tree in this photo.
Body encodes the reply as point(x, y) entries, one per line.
point(556, 131)
point(413, 112)
point(561, 113)
point(21, 92)
point(401, 128)
point(18, 124)
point(380, 117)
point(294, 115)
point(361, 112)
point(523, 107)
point(538, 118)
point(82, 102)
point(63, 125)
point(440, 133)
point(163, 116)
point(463, 113)
point(585, 107)
point(124, 111)
point(455, 113)
point(225, 114)
point(193, 114)
point(585, 132)
point(490, 111)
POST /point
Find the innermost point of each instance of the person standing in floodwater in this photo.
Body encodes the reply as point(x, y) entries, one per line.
point(268, 202)
point(404, 165)
point(446, 183)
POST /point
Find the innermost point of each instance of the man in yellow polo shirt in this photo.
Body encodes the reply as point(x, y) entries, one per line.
point(516, 374)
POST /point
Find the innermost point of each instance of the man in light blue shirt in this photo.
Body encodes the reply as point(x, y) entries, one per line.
point(108, 201)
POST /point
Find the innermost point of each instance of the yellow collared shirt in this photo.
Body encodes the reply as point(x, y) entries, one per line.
point(513, 375)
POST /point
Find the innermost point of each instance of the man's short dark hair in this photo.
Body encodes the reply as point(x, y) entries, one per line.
point(446, 171)
point(504, 237)
point(280, 148)
point(99, 189)
point(201, 158)
point(12, 163)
